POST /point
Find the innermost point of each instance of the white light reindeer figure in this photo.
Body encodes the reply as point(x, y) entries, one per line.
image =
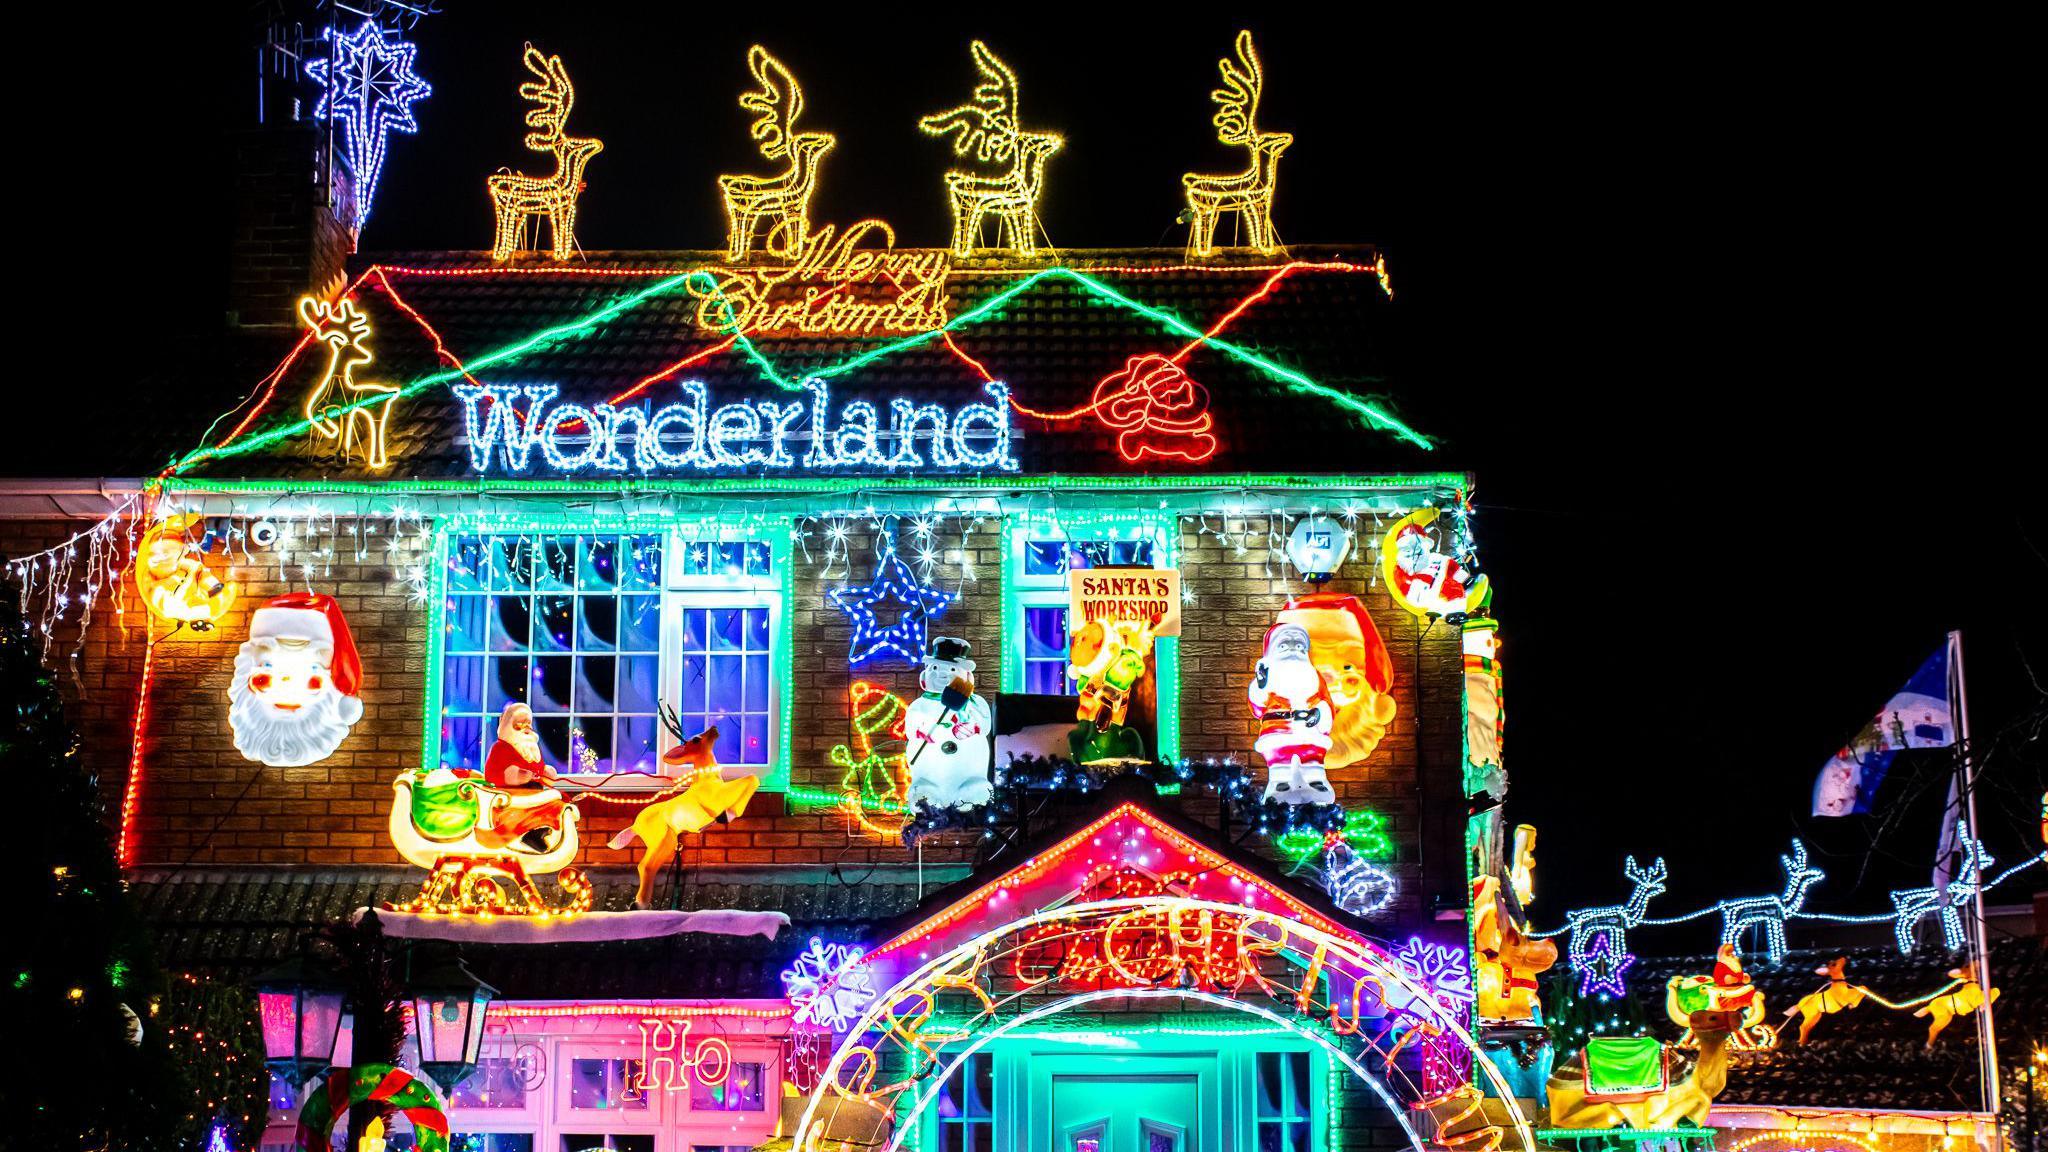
point(1615, 920)
point(1770, 912)
point(1248, 193)
point(1913, 903)
point(987, 127)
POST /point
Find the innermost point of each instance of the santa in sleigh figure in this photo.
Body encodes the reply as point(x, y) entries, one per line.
point(483, 836)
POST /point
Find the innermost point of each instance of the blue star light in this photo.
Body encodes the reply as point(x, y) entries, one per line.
point(1604, 969)
point(368, 84)
point(895, 581)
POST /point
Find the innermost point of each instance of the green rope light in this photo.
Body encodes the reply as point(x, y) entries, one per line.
point(1374, 416)
point(804, 485)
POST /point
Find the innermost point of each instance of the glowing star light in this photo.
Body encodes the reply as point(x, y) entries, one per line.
point(338, 403)
point(893, 582)
point(828, 985)
point(1604, 969)
point(785, 197)
point(368, 84)
point(986, 127)
point(515, 196)
point(1248, 193)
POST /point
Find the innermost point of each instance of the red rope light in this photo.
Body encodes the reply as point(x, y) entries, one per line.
point(131, 793)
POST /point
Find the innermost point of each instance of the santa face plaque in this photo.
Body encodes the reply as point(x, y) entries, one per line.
point(294, 696)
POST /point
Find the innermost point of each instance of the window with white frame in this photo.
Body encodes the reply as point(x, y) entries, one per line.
point(1284, 1092)
point(966, 1107)
point(1041, 558)
point(600, 633)
point(742, 1090)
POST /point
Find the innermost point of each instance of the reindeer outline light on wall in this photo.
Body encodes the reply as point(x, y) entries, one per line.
point(346, 332)
point(1248, 193)
point(785, 196)
point(1614, 920)
point(1770, 912)
point(1912, 904)
point(515, 196)
point(987, 128)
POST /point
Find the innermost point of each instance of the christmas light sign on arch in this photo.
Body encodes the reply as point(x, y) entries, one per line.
point(1364, 1007)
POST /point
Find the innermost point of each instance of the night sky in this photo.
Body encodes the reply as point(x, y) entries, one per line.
point(1710, 312)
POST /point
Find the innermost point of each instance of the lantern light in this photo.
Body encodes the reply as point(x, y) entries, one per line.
point(300, 1002)
point(448, 1008)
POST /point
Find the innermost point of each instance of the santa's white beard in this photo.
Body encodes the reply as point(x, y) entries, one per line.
point(526, 743)
point(287, 739)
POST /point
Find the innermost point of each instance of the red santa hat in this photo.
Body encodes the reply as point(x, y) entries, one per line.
point(1379, 664)
point(1728, 968)
point(316, 617)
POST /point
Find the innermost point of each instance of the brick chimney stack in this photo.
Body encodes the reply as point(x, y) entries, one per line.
point(290, 233)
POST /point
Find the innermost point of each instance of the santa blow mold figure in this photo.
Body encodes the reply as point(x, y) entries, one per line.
point(514, 766)
point(948, 731)
point(297, 678)
point(1292, 702)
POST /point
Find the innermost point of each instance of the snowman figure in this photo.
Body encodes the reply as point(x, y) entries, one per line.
point(948, 730)
point(1292, 701)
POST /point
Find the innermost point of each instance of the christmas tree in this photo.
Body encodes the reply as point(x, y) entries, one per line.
point(83, 987)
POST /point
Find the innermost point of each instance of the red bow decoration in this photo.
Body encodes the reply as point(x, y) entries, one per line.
point(1156, 410)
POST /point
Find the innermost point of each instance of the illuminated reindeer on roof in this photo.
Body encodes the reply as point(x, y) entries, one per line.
point(515, 196)
point(1770, 912)
point(346, 332)
point(987, 127)
point(1248, 193)
point(786, 197)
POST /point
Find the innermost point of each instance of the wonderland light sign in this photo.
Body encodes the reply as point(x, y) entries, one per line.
point(692, 436)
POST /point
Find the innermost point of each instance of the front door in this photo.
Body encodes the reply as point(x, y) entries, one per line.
point(1126, 1113)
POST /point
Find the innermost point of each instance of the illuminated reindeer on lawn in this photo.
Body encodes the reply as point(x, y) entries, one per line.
point(1248, 193)
point(987, 127)
point(785, 197)
point(515, 196)
point(346, 332)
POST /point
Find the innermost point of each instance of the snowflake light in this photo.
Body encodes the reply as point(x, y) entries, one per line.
point(828, 985)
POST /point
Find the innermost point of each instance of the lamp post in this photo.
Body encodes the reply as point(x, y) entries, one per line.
point(448, 1008)
point(300, 1002)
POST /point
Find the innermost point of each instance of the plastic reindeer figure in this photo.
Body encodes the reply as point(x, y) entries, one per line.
point(706, 798)
point(1769, 912)
point(338, 404)
point(1614, 921)
point(1965, 997)
point(786, 196)
point(515, 196)
point(1838, 995)
point(987, 127)
point(1912, 904)
point(1248, 193)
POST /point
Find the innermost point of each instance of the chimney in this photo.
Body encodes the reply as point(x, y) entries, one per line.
point(292, 212)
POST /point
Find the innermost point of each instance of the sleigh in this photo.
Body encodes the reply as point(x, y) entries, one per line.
point(456, 827)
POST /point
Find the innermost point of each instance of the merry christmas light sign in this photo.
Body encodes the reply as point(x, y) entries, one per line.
point(506, 424)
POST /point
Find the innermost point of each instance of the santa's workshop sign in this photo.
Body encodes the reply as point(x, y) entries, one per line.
point(1149, 596)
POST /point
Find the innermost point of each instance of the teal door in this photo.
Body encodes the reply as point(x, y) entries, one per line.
point(1116, 1113)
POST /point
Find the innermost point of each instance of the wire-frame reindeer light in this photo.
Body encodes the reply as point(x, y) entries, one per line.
point(1770, 912)
point(786, 196)
point(1614, 921)
point(1248, 193)
point(346, 332)
point(987, 128)
point(515, 196)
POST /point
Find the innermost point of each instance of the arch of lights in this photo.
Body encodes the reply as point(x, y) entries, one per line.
point(1350, 998)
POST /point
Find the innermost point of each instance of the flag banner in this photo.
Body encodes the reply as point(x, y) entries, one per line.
point(1917, 717)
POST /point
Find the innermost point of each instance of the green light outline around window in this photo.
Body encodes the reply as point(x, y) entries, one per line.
point(802, 485)
point(1165, 527)
point(437, 645)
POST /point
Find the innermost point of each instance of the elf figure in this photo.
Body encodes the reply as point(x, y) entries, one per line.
point(948, 731)
point(1107, 659)
point(1292, 701)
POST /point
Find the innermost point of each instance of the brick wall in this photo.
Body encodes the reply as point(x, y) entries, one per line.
point(335, 812)
point(1236, 596)
point(288, 239)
